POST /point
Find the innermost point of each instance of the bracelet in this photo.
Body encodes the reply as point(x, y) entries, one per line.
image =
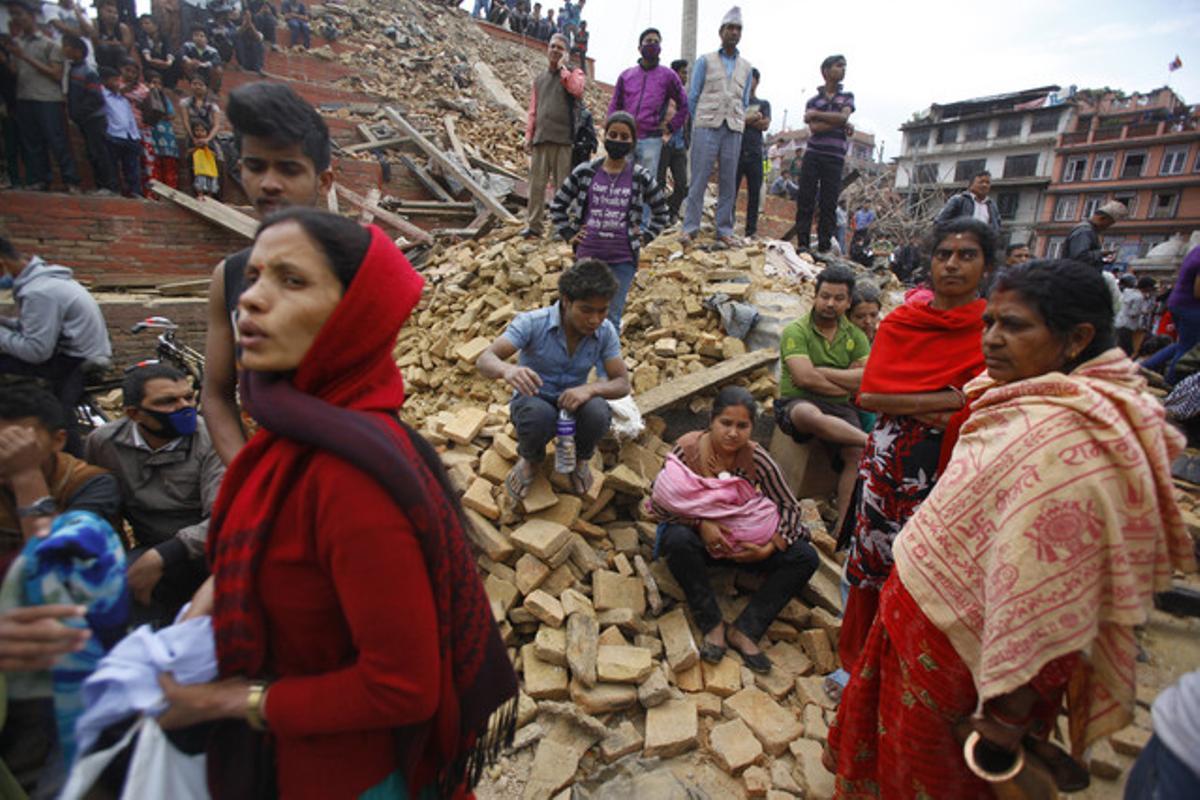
point(256, 706)
point(969, 748)
point(962, 396)
point(1008, 722)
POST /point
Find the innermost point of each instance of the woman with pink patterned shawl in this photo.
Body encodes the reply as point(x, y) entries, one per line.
point(1018, 582)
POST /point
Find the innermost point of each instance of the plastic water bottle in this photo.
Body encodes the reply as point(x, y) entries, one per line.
point(564, 445)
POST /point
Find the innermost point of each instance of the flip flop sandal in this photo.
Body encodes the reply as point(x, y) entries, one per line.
point(516, 486)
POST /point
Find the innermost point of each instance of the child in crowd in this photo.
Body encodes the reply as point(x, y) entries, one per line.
point(204, 163)
point(138, 92)
point(1137, 310)
point(85, 107)
point(199, 58)
point(166, 147)
point(124, 137)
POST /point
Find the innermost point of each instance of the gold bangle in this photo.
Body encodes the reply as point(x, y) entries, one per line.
point(991, 777)
point(256, 706)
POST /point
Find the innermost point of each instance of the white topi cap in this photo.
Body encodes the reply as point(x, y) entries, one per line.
point(732, 17)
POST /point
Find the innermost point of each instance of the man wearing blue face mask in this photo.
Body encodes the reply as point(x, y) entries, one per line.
point(169, 474)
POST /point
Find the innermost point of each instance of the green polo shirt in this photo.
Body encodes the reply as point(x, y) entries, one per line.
point(800, 338)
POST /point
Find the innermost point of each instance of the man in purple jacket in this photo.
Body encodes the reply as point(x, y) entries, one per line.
point(643, 90)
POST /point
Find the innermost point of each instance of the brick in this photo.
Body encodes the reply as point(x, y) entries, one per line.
point(494, 467)
point(573, 601)
point(758, 782)
point(672, 728)
point(1130, 741)
point(505, 446)
point(655, 689)
point(690, 679)
point(612, 636)
point(468, 352)
point(610, 590)
point(541, 538)
point(814, 780)
point(814, 723)
point(500, 591)
point(484, 536)
point(550, 644)
point(677, 639)
point(565, 510)
point(540, 497)
point(734, 746)
point(787, 662)
point(709, 705)
point(466, 425)
point(545, 607)
point(530, 573)
point(774, 725)
point(603, 698)
point(724, 679)
point(478, 497)
point(623, 664)
point(583, 646)
point(621, 742)
point(816, 645)
point(543, 680)
point(626, 481)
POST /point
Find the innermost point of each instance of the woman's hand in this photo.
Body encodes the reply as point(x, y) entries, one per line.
point(202, 702)
point(750, 554)
point(715, 539)
point(34, 638)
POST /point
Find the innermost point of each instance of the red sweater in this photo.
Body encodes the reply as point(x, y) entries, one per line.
point(351, 633)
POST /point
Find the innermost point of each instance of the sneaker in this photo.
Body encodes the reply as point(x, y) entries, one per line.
point(104, 193)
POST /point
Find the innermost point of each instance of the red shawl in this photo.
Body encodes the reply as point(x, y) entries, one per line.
point(919, 348)
point(343, 399)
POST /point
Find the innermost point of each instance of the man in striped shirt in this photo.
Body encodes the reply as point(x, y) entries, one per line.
point(828, 117)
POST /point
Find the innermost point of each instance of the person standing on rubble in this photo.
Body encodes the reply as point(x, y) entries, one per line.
point(974, 202)
point(598, 208)
point(750, 162)
point(559, 345)
point(285, 149)
point(827, 114)
point(675, 153)
point(644, 91)
point(550, 129)
point(719, 95)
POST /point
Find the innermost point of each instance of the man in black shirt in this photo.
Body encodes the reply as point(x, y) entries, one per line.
point(750, 163)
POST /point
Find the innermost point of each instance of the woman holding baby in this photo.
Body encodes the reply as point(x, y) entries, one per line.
point(721, 498)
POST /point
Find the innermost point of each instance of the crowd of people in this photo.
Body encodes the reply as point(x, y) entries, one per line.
point(1004, 480)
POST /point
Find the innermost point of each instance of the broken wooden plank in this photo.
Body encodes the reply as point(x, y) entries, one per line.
point(399, 223)
point(179, 288)
point(672, 392)
point(378, 144)
point(404, 206)
point(455, 144)
point(331, 201)
point(433, 211)
point(368, 216)
point(422, 175)
point(447, 164)
point(495, 168)
point(212, 210)
point(483, 224)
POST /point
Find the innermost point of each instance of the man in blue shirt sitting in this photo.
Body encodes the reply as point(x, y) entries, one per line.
point(559, 345)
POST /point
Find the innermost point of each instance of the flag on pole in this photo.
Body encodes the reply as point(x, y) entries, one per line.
point(1176, 64)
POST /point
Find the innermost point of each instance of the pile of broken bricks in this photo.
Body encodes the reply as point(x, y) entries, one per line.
point(602, 638)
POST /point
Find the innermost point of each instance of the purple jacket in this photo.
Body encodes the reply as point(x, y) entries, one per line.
point(644, 94)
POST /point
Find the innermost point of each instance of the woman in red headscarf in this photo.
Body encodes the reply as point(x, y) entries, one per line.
point(350, 623)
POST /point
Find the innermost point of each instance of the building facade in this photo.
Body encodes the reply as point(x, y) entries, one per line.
point(788, 145)
point(1143, 150)
point(1012, 135)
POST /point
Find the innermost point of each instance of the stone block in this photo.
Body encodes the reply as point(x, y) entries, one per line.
point(582, 646)
point(494, 466)
point(603, 698)
point(623, 664)
point(610, 590)
point(709, 705)
point(816, 645)
point(550, 644)
point(506, 446)
point(813, 778)
point(774, 725)
point(545, 607)
point(478, 497)
point(780, 631)
point(543, 680)
point(814, 723)
point(466, 425)
point(483, 534)
point(655, 689)
point(758, 782)
point(612, 636)
point(690, 679)
point(678, 642)
point(651, 643)
point(543, 539)
point(781, 777)
point(724, 679)
point(501, 592)
point(624, 539)
point(622, 566)
point(565, 511)
point(530, 573)
point(526, 709)
point(787, 662)
point(734, 746)
point(811, 689)
point(626, 480)
point(573, 601)
point(1130, 741)
point(583, 556)
point(621, 742)
point(467, 352)
point(672, 728)
point(541, 496)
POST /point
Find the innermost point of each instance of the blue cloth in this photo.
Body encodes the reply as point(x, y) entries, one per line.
point(624, 274)
point(542, 340)
point(82, 562)
point(700, 74)
point(1159, 774)
point(126, 680)
point(119, 112)
point(724, 147)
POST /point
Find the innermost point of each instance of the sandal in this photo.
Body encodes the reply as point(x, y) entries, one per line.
point(833, 689)
point(712, 653)
point(518, 481)
point(582, 478)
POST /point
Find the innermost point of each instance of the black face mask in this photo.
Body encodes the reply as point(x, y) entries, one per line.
point(617, 150)
point(174, 424)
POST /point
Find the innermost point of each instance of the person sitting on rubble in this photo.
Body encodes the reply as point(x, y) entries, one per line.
point(295, 14)
point(169, 473)
point(822, 355)
point(598, 209)
point(559, 345)
point(775, 544)
point(59, 331)
point(200, 59)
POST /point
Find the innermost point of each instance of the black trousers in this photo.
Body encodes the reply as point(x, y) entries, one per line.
point(250, 50)
point(820, 184)
point(127, 154)
point(65, 376)
point(676, 160)
point(95, 142)
point(787, 574)
point(750, 167)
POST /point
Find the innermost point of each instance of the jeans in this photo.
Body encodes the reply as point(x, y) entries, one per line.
point(1187, 326)
point(675, 160)
point(648, 154)
point(536, 420)
point(750, 167)
point(624, 273)
point(481, 9)
point(299, 29)
point(127, 154)
point(713, 145)
point(1159, 774)
point(266, 22)
point(95, 142)
point(820, 184)
point(250, 51)
point(787, 572)
point(41, 125)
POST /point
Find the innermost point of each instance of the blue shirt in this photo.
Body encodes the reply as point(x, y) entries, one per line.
point(542, 340)
point(121, 122)
point(700, 75)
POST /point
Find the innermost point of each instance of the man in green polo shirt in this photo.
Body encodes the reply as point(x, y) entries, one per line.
point(822, 357)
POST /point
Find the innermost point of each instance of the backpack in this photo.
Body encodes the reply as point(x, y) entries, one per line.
point(154, 107)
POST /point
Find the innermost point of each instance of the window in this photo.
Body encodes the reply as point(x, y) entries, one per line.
point(1008, 203)
point(1164, 205)
point(1075, 170)
point(1021, 166)
point(1045, 121)
point(1129, 199)
point(967, 169)
point(918, 140)
point(976, 131)
point(1091, 203)
point(1054, 246)
point(1102, 167)
point(947, 134)
point(1066, 208)
point(926, 173)
point(1133, 164)
point(1173, 161)
point(1008, 127)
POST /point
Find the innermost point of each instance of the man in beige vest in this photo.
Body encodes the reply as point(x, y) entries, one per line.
point(719, 94)
point(550, 129)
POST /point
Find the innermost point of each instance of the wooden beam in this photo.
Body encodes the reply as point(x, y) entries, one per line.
point(448, 165)
point(427, 211)
point(368, 216)
point(455, 144)
point(404, 206)
point(399, 223)
point(331, 201)
point(212, 210)
point(178, 288)
point(496, 168)
point(378, 144)
point(672, 392)
point(426, 180)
